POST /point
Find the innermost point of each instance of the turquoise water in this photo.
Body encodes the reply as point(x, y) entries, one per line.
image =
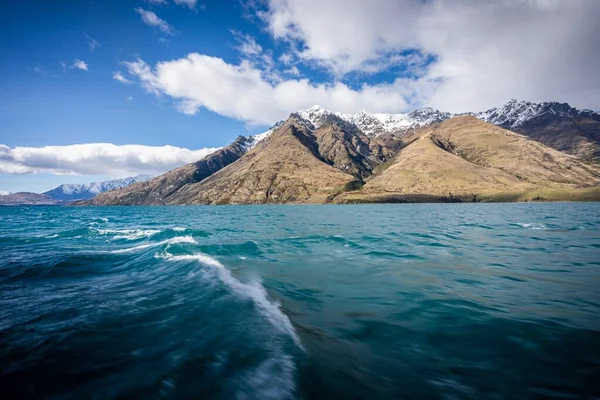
point(449, 301)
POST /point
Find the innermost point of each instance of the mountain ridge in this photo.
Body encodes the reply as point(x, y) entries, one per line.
point(361, 145)
point(71, 192)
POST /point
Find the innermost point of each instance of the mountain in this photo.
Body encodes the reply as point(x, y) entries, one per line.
point(26, 199)
point(71, 192)
point(322, 156)
point(557, 125)
point(374, 124)
point(464, 158)
point(159, 190)
point(286, 167)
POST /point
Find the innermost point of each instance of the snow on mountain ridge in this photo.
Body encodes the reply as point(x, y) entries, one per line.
point(513, 114)
point(72, 191)
point(374, 124)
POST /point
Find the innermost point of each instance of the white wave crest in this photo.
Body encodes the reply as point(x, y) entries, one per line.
point(254, 291)
point(129, 234)
point(178, 229)
point(178, 239)
point(534, 226)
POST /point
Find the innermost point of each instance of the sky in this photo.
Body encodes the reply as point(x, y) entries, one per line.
point(95, 90)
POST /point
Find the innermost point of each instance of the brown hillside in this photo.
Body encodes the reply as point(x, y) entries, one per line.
point(284, 168)
point(464, 156)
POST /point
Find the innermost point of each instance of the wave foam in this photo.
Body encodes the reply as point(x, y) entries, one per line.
point(534, 226)
point(129, 234)
point(254, 291)
point(178, 239)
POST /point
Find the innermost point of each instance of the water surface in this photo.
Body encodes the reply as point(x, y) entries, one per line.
point(275, 302)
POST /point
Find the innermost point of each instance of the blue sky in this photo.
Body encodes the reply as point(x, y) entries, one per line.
point(193, 75)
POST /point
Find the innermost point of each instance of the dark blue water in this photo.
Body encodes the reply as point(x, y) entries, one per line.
point(452, 301)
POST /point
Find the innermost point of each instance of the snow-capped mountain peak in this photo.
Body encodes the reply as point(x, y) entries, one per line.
point(315, 115)
point(512, 115)
point(516, 114)
point(70, 192)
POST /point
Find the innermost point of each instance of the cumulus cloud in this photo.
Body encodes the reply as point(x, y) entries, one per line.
point(455, 56)
point(485, 52)
point(78, 64)
point(96, 159)
point(242, 92)
point(121, 78)
point(151, 19)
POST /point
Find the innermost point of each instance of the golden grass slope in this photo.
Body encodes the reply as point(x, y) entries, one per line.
point(465, 156)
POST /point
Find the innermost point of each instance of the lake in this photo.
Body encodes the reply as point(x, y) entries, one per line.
point(448, 301)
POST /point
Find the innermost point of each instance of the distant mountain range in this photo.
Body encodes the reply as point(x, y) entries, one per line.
point(27, 199)
point(68, 192)
point(519, 151)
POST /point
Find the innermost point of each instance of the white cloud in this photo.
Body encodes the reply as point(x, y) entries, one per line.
point(96, 159)
point(129, 99)
point(151, 19)
point(92, 43)
point(190, 3)
point(464, 56)
point(247, 44)
point(121, 78)
point(78, 64)
point(242, 92)
point(157, 1)
point(485, 51)
point(293, 71)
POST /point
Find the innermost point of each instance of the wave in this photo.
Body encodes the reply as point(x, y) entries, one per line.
point(254, 291)
point(128, 234)
point(534, 226)
point(175, 240)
